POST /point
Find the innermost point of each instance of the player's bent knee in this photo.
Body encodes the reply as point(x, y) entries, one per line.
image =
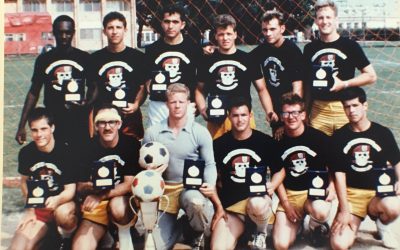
point(280, 243)
point(66, 214)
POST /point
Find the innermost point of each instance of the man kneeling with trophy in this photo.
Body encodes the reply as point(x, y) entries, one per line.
point(105, 182)
point(190, 175)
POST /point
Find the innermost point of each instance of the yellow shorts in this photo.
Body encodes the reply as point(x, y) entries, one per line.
point(99, 214)
point(358, 200)
point(218, 129)
point(173, 192)
point(238, 207)
point(327, 116)
point(296, 199)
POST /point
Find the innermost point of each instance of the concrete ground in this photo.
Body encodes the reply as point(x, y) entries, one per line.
point(365, 239)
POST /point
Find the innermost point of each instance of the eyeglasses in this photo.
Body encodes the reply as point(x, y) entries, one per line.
point(294, 114)
point(103, 124)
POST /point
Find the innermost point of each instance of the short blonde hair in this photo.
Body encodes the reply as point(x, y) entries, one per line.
point(325, 3)
point(178, 88)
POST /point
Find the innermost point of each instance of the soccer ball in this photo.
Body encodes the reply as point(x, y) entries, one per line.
point(153, 155)
point(148, 185)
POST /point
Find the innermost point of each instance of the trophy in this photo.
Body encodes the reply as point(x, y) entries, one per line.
point(74, 90)
point(193, 172)
point(148, 189)
point(120, 97)
point(159, 84)
point(256, 179)
point(322, 77)
point(216, 108)
point(385, 180)
point(318, 183)
point(38, 191)
point(103, 175)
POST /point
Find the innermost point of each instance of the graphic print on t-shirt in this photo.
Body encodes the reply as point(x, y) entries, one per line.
point(227, 72)
point(273, 67)
point(62, 70)
point(115, 74)
point(296, 158)
point(171, 62)
point(360, 151)
point(329, 58)
point(239, 160)
point(48, 172)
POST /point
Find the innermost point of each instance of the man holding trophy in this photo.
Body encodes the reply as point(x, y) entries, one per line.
point(245, 160)
point(306, 188)
point(46, 183)
point(367, 170)
point(105, 182)
point(191, 156)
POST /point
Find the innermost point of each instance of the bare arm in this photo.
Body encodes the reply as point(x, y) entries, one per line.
point(297, 87)
point(265, 99)
point(30, 103)
point(139, 100)
point(397, 184)
point(343, 217)
point(66, 195)
point(92, 93)
point(201, 100)
point(367, 76)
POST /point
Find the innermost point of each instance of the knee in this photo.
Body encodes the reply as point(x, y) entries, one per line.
point(320, 210)
point(65, 215)
point(117, 209)
point(391, 207)
point(218, 245)
point(194, 201)
point(281, 244)
point(338, 243)
point(80, 243)
point(258, 205)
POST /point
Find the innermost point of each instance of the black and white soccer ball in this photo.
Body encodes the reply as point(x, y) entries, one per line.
point(153, 155)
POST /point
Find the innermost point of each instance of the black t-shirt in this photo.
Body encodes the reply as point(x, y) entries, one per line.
point(125, 69)
point(55, 166)
point(281, 67)
point(180, 60)
point(343, 56)
point(357, 153)
point(232, 157)
point(229, 75)
point(125, 153)
point(309, 151)
point(51, 68)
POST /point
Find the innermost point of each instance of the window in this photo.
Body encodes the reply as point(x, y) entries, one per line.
point(364, 25)
point(340, 25)
point(16, 37)
point(8, 37)
point(117, 5)
point(63, 5)
point(34, 5)
point(356, 26)
point(90, 34)
point(90, 5)
point(349, 25)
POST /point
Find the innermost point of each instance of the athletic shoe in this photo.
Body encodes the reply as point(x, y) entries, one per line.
point(198, 242)
point(319, 236)
point(65, 244)
point(388, 238)
point(258, 242)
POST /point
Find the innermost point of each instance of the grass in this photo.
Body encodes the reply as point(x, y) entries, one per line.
point(383, 98)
